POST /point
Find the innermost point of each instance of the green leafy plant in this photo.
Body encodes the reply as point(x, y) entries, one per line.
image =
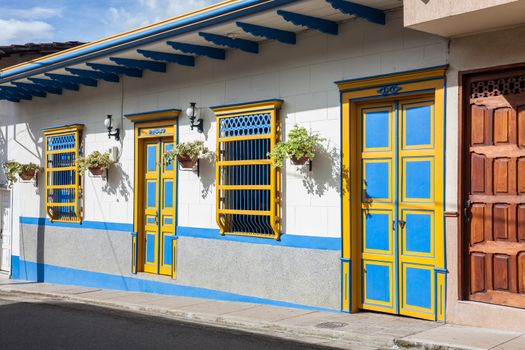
point(95, 160)
point(25, 171)
point(300, 145)
point(186, 150)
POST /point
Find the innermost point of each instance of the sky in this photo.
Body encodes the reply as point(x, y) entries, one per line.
point(37, 21)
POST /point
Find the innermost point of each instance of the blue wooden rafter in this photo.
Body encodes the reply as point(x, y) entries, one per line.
point(283, 36)
point(72, 79)
point(322, 25)
point(349, 8)
point(28, 86)
point(112, 78)
point(7, 97)
point(184, 60)
point(199, 50)
point(54, 84)
point(140, 64)
point(234, 43)
point(15, 93)
point(108, 68)
point(34, 90)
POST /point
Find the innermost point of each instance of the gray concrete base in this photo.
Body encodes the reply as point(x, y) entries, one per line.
point(303, 276)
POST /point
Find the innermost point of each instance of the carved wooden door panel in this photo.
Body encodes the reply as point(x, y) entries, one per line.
point(495, 205)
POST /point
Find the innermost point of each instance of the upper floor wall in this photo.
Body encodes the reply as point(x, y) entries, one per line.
point(450, 18)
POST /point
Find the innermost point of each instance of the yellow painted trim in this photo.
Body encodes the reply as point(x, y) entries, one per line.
point(153, 116)
point(417, 83)
point(76, 184)
point(139, 194)
point(231, 110)
point(395, 78)
point(272, 107)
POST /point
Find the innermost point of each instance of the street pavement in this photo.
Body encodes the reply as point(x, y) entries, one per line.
point(94, 318)
point(29, 322)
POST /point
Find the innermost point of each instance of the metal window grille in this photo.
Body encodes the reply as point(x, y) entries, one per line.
point(63, 183)
point(248, 187)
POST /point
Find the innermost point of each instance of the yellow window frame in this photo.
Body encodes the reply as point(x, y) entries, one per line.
point(272, 108)
point(75, 182)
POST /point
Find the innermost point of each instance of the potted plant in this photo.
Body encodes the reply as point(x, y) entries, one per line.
point(187, 153)
point(25, 171)
point(300, 147)
point(97, 163)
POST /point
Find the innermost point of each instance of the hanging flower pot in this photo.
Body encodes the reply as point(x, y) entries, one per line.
point(97, 171)
point(97, 163)
point(27, 174)
point(186, 162)
point(299, 161)
point(187, 153)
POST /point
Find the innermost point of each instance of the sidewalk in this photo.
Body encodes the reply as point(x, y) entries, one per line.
point(362, 331)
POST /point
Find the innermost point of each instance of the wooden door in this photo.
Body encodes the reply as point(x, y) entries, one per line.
point(159, 207)
point(401, 206)
point(494, 209)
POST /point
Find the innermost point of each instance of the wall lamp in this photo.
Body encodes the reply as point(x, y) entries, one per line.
point(193, 113)
point(108, 123)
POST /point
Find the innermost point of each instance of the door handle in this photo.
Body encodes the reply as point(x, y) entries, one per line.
point(402, 223)
point(466, 210)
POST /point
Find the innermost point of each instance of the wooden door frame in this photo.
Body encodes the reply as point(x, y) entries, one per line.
point(465, 78)
point(396, 86)
point(143, 122)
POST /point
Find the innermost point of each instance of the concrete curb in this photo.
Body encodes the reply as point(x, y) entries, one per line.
point(336, 339)
point(423, 345)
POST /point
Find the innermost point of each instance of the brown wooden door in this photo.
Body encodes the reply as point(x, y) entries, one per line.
point(495, 200)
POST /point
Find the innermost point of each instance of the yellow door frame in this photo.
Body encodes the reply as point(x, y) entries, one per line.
point(148, 126)
point(383, 88)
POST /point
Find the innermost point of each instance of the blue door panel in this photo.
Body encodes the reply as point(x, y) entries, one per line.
point(377, 282)
point(377, 129)
point(418, 287)
point(150, 247)
point(377, 231)
point(376, 180)
point(418, 128)
point(418, 179)
point(418, 233)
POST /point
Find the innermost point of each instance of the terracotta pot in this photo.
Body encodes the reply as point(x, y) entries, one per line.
point(300, 161)
point(27, 175)
point(186, 162)
point(97, 171)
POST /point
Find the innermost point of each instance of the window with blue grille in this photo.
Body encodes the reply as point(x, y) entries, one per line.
point(248, 187)
point(63, 183)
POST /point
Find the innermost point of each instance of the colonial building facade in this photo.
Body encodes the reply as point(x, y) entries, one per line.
point(411, 206)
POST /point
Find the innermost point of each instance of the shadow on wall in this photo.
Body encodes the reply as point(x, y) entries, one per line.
point(118, 182)
point(326, 171)
point(207, 174)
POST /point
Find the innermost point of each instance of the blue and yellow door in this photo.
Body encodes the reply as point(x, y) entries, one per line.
point(159, 207)
point(400, 205)
point(155, 197)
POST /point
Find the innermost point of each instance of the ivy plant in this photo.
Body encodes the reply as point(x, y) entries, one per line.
point(13, 168)
point(192, 150)
point(300, 144)
point(94, 160)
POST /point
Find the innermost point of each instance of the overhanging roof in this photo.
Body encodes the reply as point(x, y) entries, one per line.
point(208, 33)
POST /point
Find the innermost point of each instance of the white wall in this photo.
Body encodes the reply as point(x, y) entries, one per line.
point(302, 75)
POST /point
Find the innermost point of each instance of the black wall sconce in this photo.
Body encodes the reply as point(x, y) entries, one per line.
point(193, 113)
point(108, 123)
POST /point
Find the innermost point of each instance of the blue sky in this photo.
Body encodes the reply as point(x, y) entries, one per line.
point(23, 21)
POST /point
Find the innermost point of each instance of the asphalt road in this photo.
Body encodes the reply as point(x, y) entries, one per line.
point(29, 322)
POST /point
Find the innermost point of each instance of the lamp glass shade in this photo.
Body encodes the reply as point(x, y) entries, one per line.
point(107, 122)
point(189, 111)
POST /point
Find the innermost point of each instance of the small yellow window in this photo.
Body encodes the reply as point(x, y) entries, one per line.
point(248, 187)
point(62, 180)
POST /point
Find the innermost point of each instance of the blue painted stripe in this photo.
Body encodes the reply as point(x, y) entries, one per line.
point(246, 103)
point(443, 66)
point(95, 225)
point(287, 240)
point(174, 111)
point(31, 271)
